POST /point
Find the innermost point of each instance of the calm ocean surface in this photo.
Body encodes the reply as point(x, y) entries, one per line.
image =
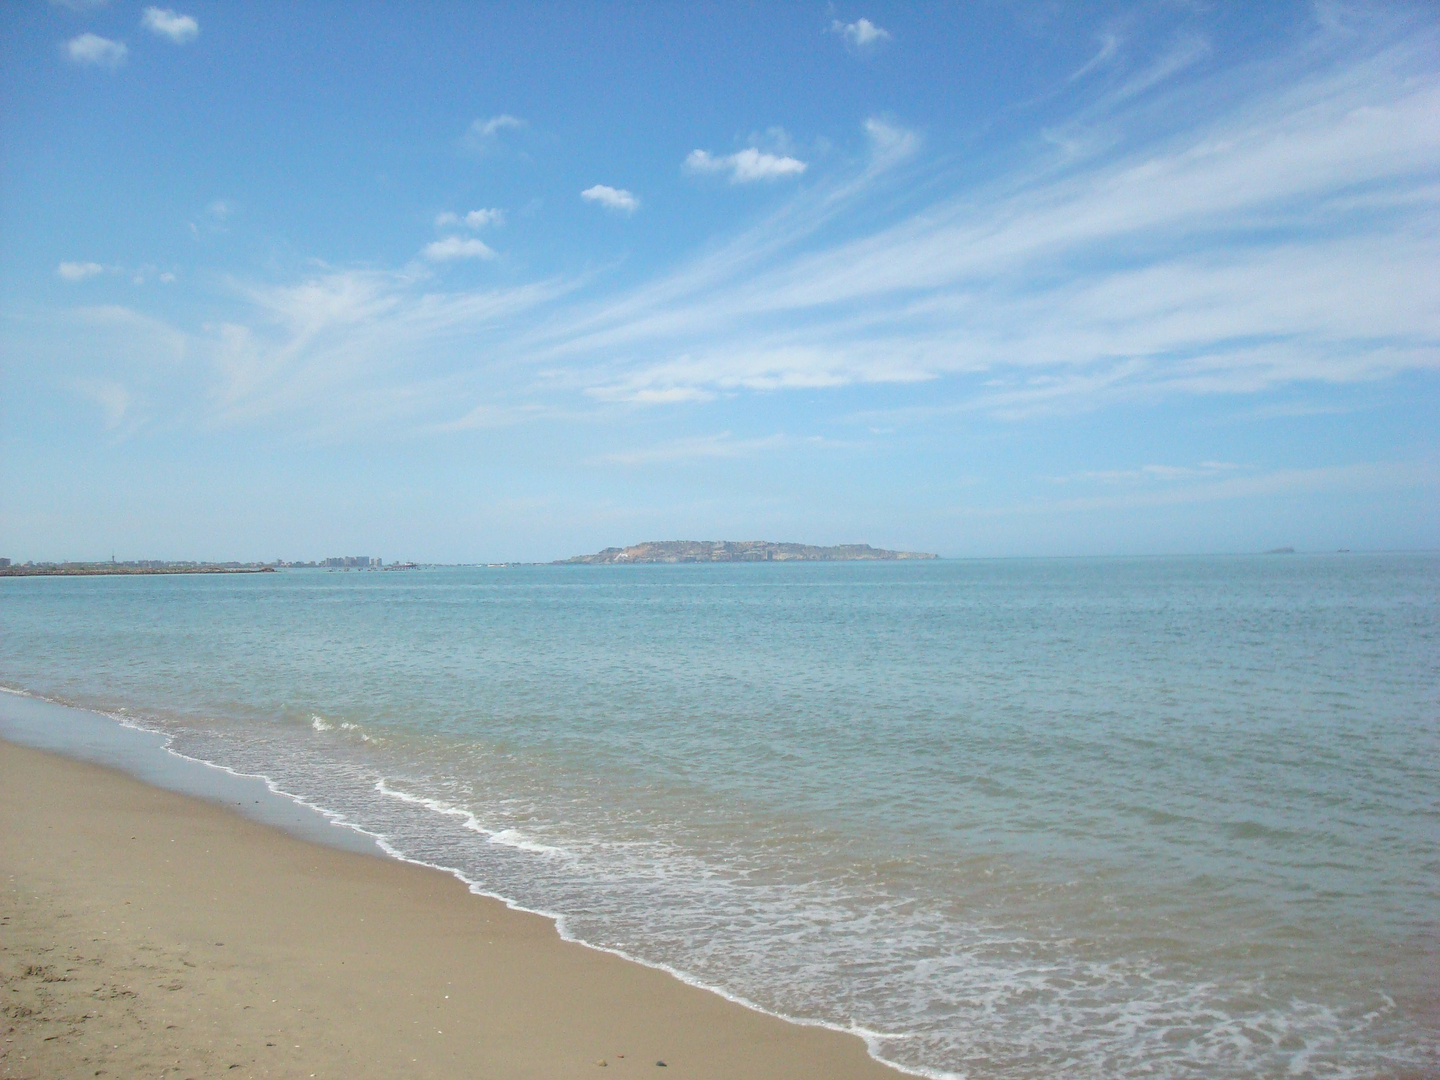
point(1080, 818)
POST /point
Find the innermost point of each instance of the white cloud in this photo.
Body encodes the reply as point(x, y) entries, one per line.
point(139, 275)
point(862, 33)
point(746, 166)
point(168, 24)
point(458, 247)
point(482, 137)
point(79, 271)
point(475, 219)
point(484, 129)
point(611, 198)
point(485, 136)
point(97, 51)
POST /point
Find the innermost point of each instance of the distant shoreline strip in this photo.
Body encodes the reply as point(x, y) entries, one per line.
point(114, 571)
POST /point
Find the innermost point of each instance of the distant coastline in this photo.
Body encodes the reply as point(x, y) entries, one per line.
point(112, 569)
point(8, 568)
point(712, 551)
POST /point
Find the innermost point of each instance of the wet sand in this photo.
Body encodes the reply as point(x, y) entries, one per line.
point(146, 933)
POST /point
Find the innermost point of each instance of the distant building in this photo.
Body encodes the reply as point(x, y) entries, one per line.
point(351, 562)
point(4, 562)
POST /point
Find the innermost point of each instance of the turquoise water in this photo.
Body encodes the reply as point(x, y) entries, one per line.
point(1090, 818)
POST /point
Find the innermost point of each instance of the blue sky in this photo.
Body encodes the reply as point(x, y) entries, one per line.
point(468, 282)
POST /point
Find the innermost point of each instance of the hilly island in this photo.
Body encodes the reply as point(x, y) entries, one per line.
point(708, 551)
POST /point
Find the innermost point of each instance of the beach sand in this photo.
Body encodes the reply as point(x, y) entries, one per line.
point(149, 934)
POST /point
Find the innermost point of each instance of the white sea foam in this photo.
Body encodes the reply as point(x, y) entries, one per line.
point(516, 839)
point(507, 837)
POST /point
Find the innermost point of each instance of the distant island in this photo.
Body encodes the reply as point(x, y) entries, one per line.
point(711, 551)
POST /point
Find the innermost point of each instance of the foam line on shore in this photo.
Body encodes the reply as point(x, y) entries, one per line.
point(511, 838)
point(872, 1039)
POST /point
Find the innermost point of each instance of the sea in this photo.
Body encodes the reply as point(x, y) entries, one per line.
point(1082, 818)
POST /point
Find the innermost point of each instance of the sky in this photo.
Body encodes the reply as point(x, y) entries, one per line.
point(483, 282)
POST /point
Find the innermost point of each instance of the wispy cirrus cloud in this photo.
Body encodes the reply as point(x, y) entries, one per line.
point(326, 356)
point(113, 399)
point(1109, 48)
point(1226, 256)
point(343, 349)
point(128, 365)
point(92, 50)
point(483, 417)
point(140, 335)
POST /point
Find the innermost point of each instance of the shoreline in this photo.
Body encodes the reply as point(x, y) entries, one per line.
point(97, 991)
point(101, 570)
point(124, 745)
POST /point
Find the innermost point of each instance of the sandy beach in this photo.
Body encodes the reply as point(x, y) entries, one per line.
point(149, 934)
